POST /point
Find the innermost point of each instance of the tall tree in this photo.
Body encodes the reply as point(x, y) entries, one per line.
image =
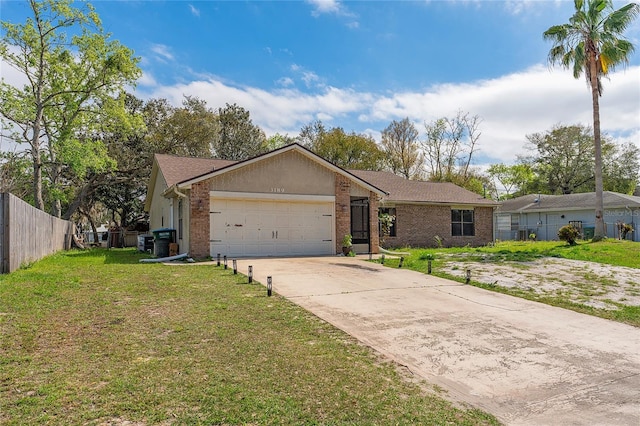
point(450, 145)
point(190, 130)
point(349, 150)
point(15, 175)
point(238, 138)
point(592, 43)
point(401, 148)
point(71, 68)
point(621, 168)
point(510, 179)
point(278, 140)
point(311, 134)
point(562, 161)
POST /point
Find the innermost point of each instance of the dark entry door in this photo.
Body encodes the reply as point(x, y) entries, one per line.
point(360, 220)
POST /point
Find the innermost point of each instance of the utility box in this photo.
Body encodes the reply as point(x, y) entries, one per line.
point(145, 243)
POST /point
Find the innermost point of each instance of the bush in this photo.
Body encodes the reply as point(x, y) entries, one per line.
point(569, 233)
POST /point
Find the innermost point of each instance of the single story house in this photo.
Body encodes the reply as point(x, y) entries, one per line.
point(544, 215)
point(291, 201)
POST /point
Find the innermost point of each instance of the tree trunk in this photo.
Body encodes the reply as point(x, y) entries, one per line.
point(36, 155)
point(599, 228)
point(37, 178)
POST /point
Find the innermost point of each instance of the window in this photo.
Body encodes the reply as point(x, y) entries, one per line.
point(462, 223)
point(390, 212)
point(515, 222)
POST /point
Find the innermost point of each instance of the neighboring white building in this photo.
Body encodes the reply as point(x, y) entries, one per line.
point(543, 215)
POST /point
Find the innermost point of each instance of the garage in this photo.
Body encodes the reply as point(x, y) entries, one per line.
point(261, 224)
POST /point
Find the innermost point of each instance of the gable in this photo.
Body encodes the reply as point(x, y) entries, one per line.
point(290, 173)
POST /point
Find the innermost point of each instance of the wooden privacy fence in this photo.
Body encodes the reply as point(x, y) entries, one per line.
point(29, 234)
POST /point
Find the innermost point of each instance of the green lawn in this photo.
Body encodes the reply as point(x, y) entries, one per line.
point(95, 337)
point(609, 252)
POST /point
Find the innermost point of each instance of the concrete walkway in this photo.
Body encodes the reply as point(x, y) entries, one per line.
point(524, 362)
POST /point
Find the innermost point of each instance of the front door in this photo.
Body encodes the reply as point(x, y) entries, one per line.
point(360, 220)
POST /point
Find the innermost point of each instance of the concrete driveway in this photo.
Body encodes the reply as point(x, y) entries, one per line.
point(524, 362)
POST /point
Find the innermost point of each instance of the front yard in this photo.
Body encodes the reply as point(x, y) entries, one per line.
point(601, 279)
point(96, 338)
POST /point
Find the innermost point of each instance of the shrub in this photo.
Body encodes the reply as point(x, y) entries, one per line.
point(426, 256)
point(569, 233)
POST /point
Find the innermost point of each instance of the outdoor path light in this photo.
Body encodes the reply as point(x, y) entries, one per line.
point(235, 267)
point(269, 286)
point(382, 258)
point(468, 276)
point(250, 274)
point(401, 262)
point(225, 261)
point(218, 258)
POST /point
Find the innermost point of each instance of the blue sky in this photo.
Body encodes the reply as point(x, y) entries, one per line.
point(362, 64)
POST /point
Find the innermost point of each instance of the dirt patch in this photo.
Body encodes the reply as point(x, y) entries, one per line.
point(588, 283)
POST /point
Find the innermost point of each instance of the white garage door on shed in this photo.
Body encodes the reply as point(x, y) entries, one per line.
point(271, 224)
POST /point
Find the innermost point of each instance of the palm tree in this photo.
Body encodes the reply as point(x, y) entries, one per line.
point(592, 43)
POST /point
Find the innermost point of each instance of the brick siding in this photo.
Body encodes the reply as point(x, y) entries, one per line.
point(417, 226)
point(374, 236)
point(343, 209)
point(199, 221)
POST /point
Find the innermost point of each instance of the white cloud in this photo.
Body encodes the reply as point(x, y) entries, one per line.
point(334, 7)
point(194, 10)
point(147, 79)
point(285, 82)
point(326, 6)
point(309, 78)
point(162, 52)
point(511, 106)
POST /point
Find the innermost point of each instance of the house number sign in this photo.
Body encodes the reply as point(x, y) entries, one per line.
point(278, 190)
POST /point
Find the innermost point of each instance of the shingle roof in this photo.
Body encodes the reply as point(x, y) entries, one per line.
point(401, 189)
point(580, 201)
point(180, 169)
point(176, 169)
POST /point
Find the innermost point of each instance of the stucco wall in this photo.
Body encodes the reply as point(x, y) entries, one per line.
point(418, 225)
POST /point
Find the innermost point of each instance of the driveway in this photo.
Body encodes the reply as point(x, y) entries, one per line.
point(524, 362)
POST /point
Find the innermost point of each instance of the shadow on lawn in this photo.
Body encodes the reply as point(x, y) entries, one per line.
point(126, 256)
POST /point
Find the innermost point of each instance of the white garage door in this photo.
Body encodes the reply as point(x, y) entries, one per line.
point(271, 227)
